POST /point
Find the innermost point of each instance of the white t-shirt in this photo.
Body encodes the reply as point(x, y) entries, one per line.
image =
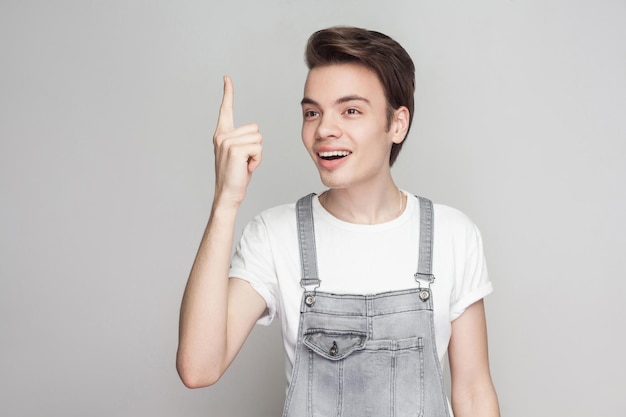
point(361, 259)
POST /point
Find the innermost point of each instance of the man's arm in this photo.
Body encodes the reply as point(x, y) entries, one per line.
point(218, 313)
point(473, 393)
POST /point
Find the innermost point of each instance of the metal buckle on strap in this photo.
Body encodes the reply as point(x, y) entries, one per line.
point(310, 285)
point(428, 279)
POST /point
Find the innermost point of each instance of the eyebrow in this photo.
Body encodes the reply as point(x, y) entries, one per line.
point(340, 100)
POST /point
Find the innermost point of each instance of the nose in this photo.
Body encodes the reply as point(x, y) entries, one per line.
point(328, 127)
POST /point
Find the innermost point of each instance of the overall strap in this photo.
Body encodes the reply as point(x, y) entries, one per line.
point(425, 261)
point(306, 241)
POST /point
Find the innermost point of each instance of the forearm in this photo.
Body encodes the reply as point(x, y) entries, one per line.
point(202, 345)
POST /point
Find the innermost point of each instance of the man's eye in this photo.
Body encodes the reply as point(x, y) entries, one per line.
point(310, 113)
point(352, 111)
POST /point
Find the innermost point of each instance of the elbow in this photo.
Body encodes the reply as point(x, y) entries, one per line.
point(195, 376)
point(193, 382)
point(479, 399)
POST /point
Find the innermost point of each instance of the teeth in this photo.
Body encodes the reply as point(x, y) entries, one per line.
point(333, 153)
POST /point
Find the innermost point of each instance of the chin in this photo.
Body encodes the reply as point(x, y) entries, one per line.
point(331, 181)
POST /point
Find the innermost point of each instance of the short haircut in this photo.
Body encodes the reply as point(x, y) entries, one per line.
point(377, 52)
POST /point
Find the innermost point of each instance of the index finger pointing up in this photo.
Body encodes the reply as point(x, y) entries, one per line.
point(225, 121)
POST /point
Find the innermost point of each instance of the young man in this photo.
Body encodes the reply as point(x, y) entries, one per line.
point(351, 273)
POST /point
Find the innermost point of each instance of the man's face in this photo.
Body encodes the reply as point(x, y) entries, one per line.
point(345, 127)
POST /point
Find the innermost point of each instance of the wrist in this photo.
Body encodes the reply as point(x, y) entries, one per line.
point(224, 206)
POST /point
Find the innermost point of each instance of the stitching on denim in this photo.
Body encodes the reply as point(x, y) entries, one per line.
point(309, 397)
point(420, 347)
point(340, 393)
point(329, 312)
point(392, 386)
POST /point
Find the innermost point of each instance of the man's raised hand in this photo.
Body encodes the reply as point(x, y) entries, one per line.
point(237, 151)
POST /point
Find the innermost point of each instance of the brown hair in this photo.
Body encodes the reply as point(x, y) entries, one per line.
point(377, 52)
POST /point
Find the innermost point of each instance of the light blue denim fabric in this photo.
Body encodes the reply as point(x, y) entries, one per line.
point(365, 355)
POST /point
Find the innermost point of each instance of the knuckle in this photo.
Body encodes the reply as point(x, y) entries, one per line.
point(219, 138)
point(235, 151)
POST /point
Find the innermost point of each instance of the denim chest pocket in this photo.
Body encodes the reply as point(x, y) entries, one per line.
point(344, 373)
point(334, 345)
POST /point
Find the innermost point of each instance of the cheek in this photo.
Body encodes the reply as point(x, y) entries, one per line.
point(308, 134)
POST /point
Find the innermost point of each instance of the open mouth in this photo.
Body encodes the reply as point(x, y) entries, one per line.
point(330, 156)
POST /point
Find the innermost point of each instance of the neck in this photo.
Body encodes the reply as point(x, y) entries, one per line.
point(364, 207)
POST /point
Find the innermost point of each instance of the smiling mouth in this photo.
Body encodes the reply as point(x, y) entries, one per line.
point(329, 156)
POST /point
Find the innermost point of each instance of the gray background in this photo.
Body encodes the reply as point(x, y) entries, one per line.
point(106, 115)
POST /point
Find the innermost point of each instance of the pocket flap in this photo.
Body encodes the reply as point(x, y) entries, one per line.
point(334, 345)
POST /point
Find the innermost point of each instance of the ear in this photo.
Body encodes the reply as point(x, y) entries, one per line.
point(400, 124)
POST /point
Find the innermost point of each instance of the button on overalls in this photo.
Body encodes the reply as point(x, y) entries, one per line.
point(365, 355)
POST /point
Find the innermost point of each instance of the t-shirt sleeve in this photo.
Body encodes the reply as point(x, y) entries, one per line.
point(253, 262)
point(472, 282)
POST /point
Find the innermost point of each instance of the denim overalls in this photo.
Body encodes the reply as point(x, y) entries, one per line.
point(365, 355)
